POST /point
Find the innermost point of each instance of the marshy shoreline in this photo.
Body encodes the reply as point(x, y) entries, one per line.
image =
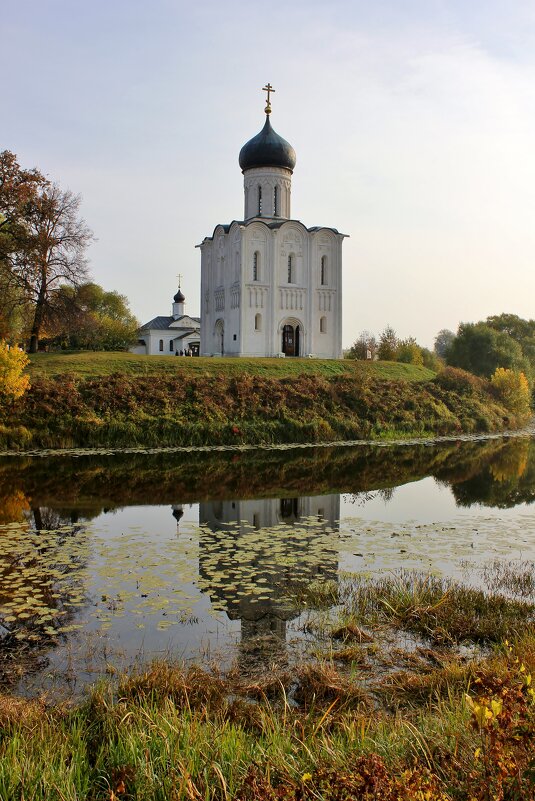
point(449, 716)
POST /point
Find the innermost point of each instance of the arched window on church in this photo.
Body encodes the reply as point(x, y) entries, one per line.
point(276, 201)
point(171, 348)
point(323, 325)
point(256, 266)
point(259, 201)
point(161, 345)
point(258, 322)
point(323, 277)
point(291, 269)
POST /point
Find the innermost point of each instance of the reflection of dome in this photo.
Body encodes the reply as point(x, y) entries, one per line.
point(178, 513)
point(267, 149)
point(179, 297)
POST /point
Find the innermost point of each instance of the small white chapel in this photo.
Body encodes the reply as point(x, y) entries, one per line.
point(176, 335)
point(270, 286)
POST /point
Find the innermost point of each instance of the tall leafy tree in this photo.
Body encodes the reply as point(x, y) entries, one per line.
point(19, 189)
point(443, 341)
point(512, 324)
point(42, 244)
point(522, 331)
point(388, 344)
point(91, 318)
point(53, 251)
point(481, 349)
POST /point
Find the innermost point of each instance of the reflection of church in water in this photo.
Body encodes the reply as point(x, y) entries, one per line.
point(279, 544)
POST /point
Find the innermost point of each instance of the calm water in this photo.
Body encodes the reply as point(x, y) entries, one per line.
point(108, 560)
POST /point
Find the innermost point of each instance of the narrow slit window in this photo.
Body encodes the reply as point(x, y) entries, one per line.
point(255, 266)
point(323, 325)
point(258, 322)
point(259, 201)
point(161, 344)
point(291, 269)
point(171, 348)
point(276, 201)
point(323, 279)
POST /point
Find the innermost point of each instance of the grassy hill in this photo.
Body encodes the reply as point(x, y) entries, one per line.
point(114, 400)
point(86, 364)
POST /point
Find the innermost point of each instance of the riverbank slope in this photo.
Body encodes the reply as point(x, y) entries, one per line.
point(122, 400)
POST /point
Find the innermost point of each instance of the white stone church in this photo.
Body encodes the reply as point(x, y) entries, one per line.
point(270, 286)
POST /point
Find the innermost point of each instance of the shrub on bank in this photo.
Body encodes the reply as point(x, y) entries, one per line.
point(13, 381)
point(513, 389)
point(457, 380)
point(202, 408)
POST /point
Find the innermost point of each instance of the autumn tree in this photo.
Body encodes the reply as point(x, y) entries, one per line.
point(19, 189)
point(513, 389)
point(42, 243)
point(91, 318)
point(52, 252)
point(409, 351)
point(388, 345)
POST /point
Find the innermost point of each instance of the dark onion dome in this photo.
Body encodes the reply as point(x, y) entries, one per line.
point(179, 297)
point(267, 149)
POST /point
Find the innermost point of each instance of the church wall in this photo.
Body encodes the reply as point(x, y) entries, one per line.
point(221, 292)
point(233, 290)
point(325, 299)
point(153, 343)
point(253, 312)
point(257, 294)
point(212, 302)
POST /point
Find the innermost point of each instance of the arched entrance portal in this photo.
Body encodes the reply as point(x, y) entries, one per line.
point(291, 335)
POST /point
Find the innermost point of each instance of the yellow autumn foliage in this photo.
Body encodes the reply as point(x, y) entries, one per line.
point(13, 381)
point(513, 389)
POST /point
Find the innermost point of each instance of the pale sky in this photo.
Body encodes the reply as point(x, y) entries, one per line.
point(413, 122)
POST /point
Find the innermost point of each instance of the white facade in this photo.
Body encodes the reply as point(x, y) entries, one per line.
point(269, 285)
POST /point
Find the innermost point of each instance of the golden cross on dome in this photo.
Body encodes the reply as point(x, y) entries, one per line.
point(269, 89)
point(179, 280)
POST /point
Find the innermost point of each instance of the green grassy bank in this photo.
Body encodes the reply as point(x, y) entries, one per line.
point(121, 400)
point(356, 722)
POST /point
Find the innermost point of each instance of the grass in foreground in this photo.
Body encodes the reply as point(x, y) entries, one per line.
point(176, 733)
point(461, 729)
